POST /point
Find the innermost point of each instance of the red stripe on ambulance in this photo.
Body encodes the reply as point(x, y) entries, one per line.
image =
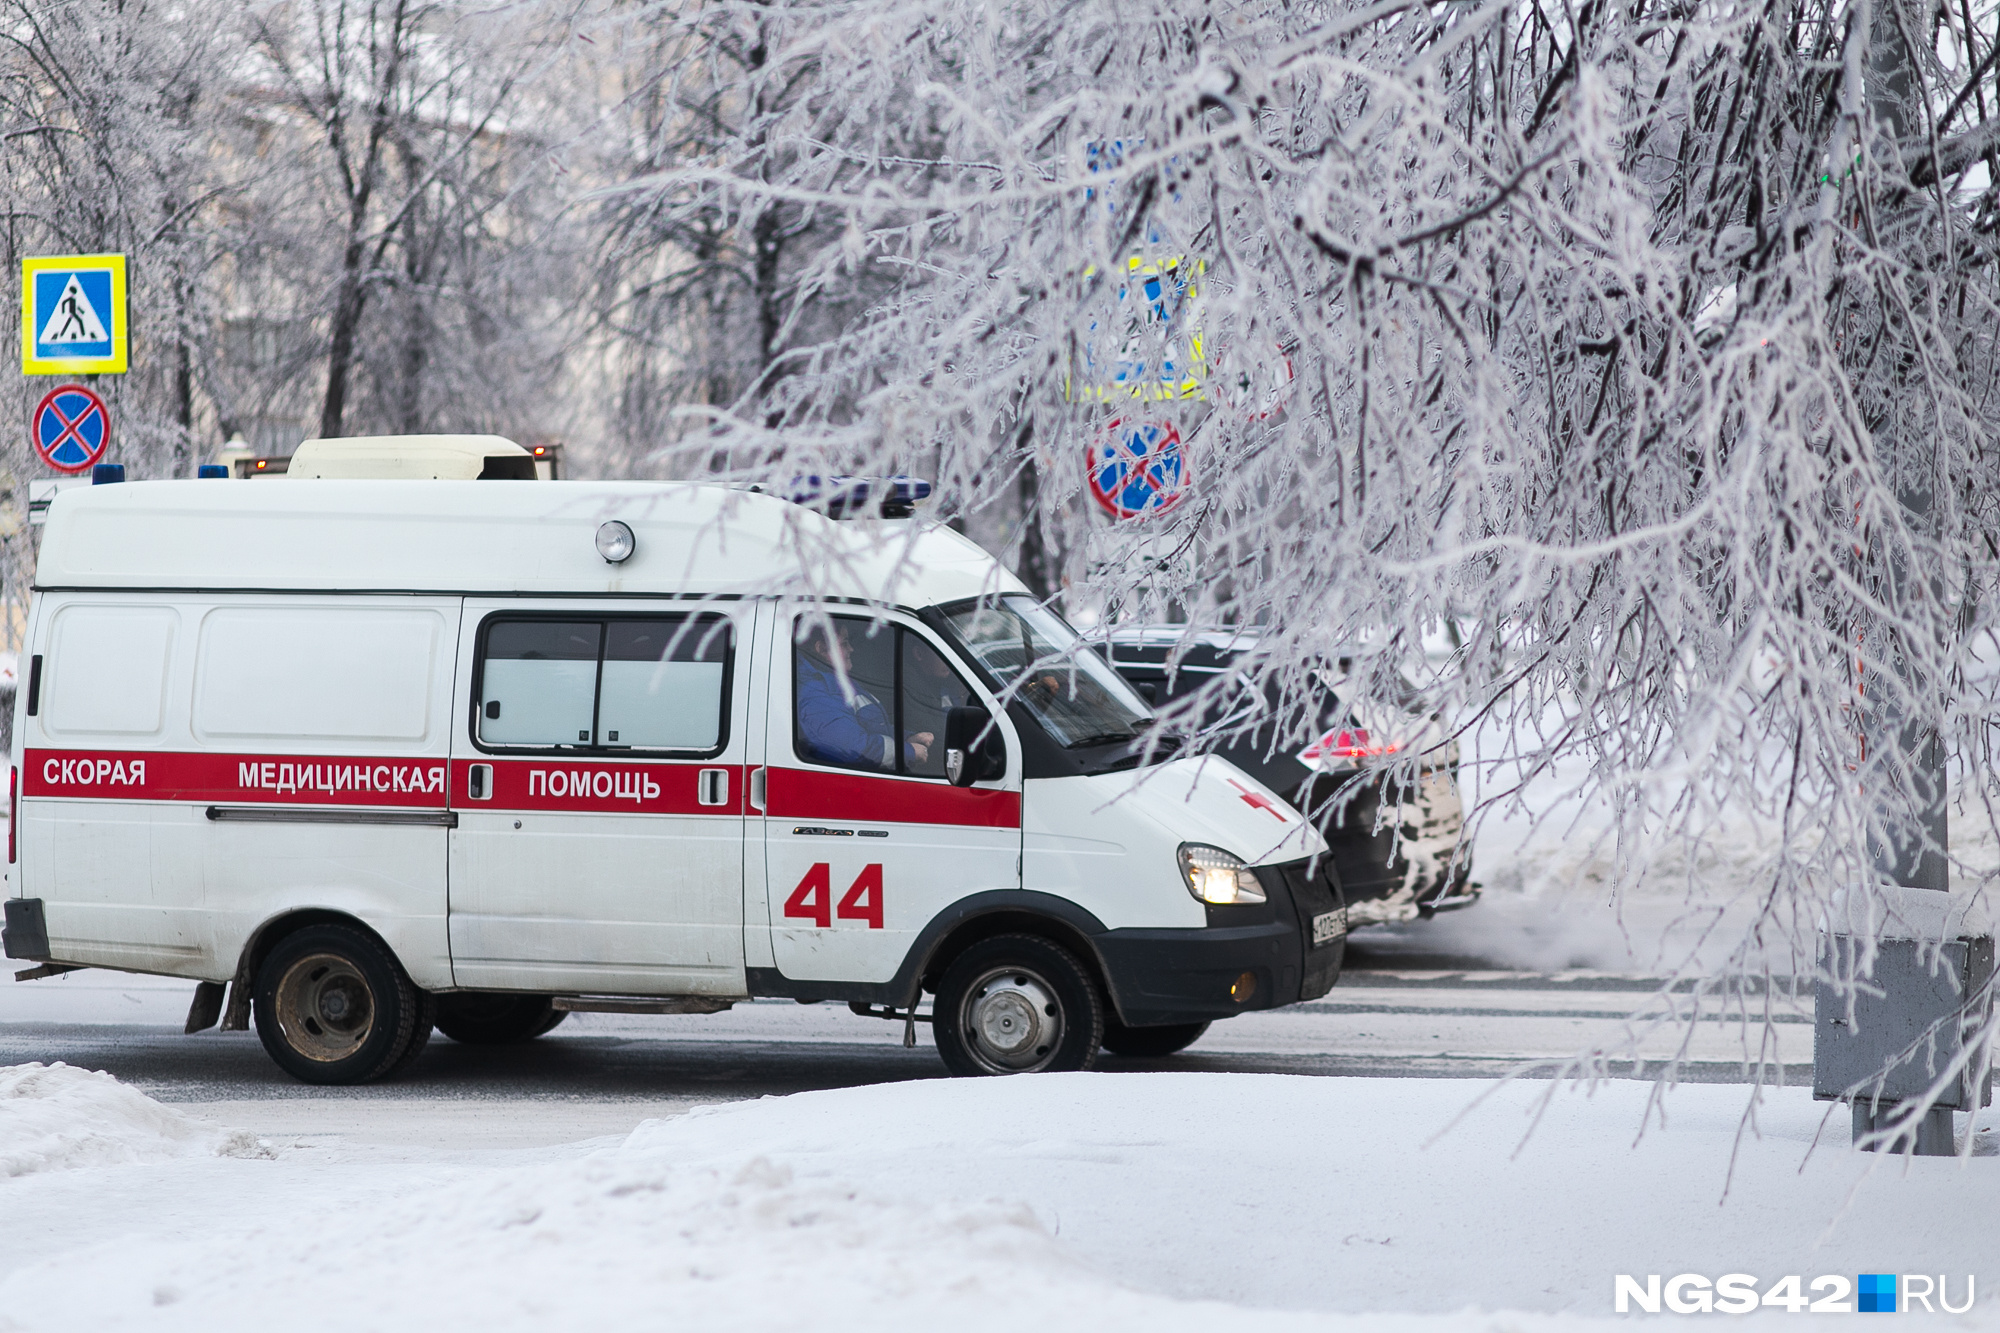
point(591, 786)
point(552, 785)
point(800, 793)
point(241, 779)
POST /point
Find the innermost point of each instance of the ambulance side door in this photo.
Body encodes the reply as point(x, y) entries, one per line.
point(598, 776)
point(865, 840)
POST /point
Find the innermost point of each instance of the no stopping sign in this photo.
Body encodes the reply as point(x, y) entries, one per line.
point(71, 428)
point(1137, 469)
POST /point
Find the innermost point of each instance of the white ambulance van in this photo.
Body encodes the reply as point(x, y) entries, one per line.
point(362, 757)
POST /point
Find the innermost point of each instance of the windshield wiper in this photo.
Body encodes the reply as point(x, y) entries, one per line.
point(1137, 754)
point(1102, 738)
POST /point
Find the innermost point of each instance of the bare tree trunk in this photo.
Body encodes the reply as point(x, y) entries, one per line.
point(347, 310)
point(410, 389)
point(359, 179)
point(768, 249)
point(184, 406)
point(1034, 564)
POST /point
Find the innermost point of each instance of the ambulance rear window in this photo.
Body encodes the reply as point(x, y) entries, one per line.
point(645, 683)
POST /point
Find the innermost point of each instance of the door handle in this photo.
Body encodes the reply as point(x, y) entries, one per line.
point(758, 784)
point(711, 787)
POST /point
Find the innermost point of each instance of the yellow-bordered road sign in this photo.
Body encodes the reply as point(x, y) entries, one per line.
point(73, 315)
point(1146, 346)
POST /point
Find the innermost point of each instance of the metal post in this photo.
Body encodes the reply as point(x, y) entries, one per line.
point(1859, 1038)
point(1934, 1133)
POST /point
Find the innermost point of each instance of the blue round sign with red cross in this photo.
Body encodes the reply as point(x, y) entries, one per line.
point(1136, 469)
point(71, 428)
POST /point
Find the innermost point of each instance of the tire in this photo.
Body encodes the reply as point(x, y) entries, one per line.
point(1017, 1004)
point(333, 1007)
point(1155, 1041)
point(420, 1034)
point(493, 1018)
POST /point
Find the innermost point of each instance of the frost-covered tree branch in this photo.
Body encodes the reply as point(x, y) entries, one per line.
point(1613, 339)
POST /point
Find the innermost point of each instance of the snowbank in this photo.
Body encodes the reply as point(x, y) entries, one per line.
point(624, 1240)
point(1100, 1202)
point(1363, 1195)
point(56, 1117)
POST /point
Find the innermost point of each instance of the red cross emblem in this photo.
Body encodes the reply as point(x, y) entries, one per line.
point(1257, 800)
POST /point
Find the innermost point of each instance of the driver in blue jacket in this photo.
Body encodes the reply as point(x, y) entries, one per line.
point(846, 726)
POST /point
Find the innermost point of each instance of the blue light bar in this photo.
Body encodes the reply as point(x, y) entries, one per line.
point(844, 497)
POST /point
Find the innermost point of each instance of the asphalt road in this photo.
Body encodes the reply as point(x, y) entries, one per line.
point(1399, 1011)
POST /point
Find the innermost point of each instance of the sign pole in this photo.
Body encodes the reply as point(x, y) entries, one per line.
point(1932, 961)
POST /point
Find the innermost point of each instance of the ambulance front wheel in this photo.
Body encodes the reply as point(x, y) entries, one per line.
point(1017, 1004)
point(333, 1007)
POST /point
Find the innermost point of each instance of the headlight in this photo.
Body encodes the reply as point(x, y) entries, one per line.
point(1214, 876)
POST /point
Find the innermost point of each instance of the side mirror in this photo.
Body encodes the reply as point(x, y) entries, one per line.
point(974, 750)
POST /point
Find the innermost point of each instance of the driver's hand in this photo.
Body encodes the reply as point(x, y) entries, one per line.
point(920, 745)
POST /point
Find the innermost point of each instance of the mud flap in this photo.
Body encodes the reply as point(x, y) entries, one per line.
point(26, 934)
point(207, 1007)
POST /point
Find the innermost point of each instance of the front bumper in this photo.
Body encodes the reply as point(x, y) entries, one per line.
point(1401, 851)
point(1160, 976)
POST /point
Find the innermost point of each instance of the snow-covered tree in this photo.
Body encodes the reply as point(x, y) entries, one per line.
point(418, 226)
point(711, 296)
point(106, 112)
point(1648, 349)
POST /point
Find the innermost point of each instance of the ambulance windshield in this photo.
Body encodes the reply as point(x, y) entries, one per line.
point(1042, 662)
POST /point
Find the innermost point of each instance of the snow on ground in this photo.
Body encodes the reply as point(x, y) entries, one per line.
point(1086, 1201)
point(1543, 854)
point(55, 1117)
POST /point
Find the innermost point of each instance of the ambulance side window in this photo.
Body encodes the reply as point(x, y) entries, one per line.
point(663, 683)
point(540, 682)
point(645, 683)
point(888, 717)
point(929, 689)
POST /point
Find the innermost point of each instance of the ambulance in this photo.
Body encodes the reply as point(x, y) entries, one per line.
point(369, 757)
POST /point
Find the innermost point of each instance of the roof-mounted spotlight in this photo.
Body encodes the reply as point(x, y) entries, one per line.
point(615, 542)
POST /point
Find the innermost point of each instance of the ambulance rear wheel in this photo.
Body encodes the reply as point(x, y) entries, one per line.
point(489, 1018)
point(333, 1006)
point(420, 1033)
point(1154, 1041)
point(1017, 1004)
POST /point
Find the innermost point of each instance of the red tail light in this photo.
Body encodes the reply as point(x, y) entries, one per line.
point(13, 809)
point(1346, 743)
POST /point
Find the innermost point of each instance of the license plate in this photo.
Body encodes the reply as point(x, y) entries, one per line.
point(1328, 927)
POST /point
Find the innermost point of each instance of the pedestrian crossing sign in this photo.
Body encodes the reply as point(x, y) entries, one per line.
point(73, 315)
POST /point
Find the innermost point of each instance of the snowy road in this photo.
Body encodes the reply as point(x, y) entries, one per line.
point(601, 1074)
